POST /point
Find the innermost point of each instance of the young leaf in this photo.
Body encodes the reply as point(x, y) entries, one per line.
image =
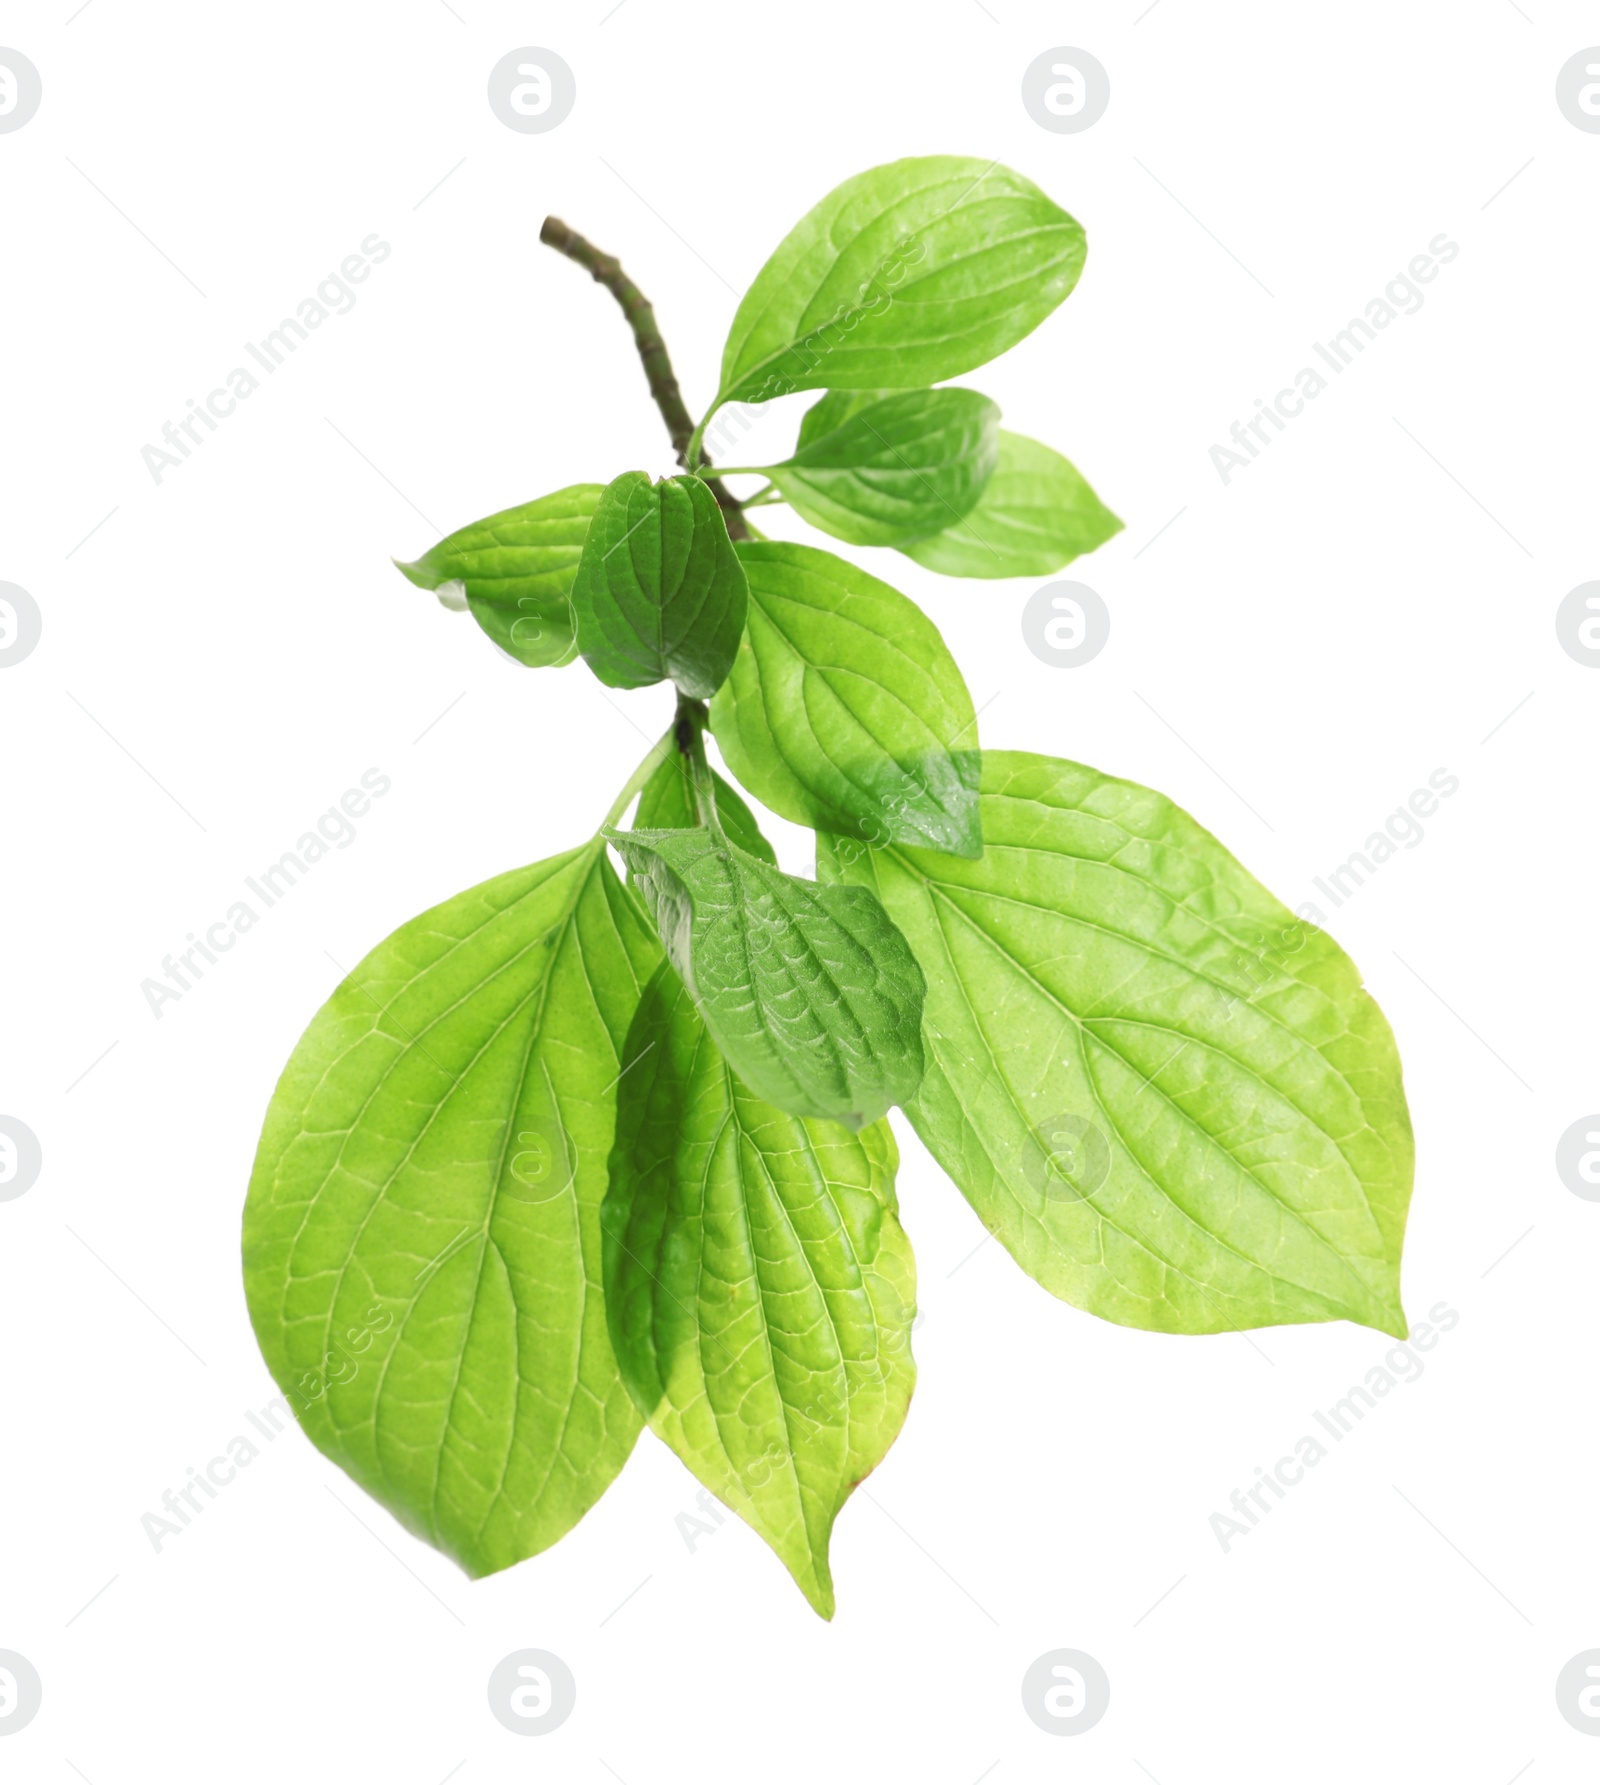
point(893, 470)
point(422, 1235)
point(844, 710)
point(810, 991)
point(759, 1285)
point(667, 804)
point(1168, 1098)
point(904, 275)
point(1035, 514)
point(659, 592)
point(835, 407)
point(516, 569)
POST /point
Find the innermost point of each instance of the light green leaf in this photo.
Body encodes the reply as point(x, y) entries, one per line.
point(422, 1235)
point(844, 710)
point(835, 407)
point(659, 592)
point(1035, 514)
point(1167, 1097)
point(515, 572)
point(760, 1288)
point(905, 275)
point(810, 991)
point(893, 470)
point(668, 804)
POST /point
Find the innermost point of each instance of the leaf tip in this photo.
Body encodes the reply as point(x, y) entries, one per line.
point(415, 572)
point(817, 1585)
point(1393, 1322)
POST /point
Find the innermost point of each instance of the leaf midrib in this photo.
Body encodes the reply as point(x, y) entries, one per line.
point(1021, 195)
point(556, 938)
point(869, 1053)
point(809, 668)
point(553, 939)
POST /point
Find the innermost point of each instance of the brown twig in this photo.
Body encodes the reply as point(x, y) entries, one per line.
point(606, 270)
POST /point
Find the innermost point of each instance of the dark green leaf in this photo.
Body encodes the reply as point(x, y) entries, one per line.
point(810, 991)
point(422, 1235)
point(1035, 514)
point(903, 276)
point(892, 470)
point(844, 710)
point(1167, 1097)
point(659, 592)
point(668, 804)
point(515, 571)
point(759, 1285)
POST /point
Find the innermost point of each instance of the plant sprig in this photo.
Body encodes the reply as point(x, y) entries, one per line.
point(613, 1152)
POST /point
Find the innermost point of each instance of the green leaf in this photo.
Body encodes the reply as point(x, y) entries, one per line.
point(1035, 514)
point(905, 275)
point(659, 592)
point(422, 1235)
point(760, 1288)
point(515, 570)
point(1167, 1097)
point(835, 407)
point(844, 710)
point(885, 472)
point(810, 991)
point(667, 804)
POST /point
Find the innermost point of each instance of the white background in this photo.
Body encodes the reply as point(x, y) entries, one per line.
point(1289, 659)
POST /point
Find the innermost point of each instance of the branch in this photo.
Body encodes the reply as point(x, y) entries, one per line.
point(606, 270)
